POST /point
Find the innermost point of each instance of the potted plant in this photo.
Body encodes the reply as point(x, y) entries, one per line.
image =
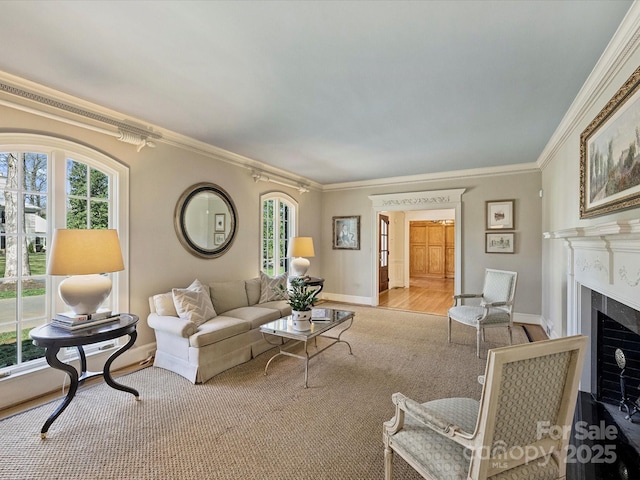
point(301, 298)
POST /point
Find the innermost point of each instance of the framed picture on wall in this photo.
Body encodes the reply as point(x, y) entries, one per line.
point(502, 242)
point(609, 153)
point(218, 238)
point(346, 233)
point(500, 215)
point(220, 222)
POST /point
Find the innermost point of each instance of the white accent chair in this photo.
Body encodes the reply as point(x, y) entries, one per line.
point(495, 308)
point(520, 428)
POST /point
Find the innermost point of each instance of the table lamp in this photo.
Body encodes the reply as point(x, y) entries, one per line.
point(300, 247)
point(84, 255)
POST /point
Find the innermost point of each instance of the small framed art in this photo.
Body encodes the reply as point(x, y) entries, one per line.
point(502, 242)
point(346, 233)
point(220, 222)
point(500, 215)
point(218, 238)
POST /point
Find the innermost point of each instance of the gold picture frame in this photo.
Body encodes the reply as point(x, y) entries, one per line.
point(610, 154)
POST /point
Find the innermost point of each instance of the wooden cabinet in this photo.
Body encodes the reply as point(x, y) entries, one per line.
point(431, 249)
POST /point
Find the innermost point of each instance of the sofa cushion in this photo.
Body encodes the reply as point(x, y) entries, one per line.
point(228, 295)
point(218, 329)
point(268, 286)
point(281, 305)
point(194, 303)
point(253, 290)
point(163, 303)
point(254, 316)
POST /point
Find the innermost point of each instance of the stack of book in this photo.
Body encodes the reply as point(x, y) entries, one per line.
point(73, 321)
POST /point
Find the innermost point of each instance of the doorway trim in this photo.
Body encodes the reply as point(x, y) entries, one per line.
point(424, 200)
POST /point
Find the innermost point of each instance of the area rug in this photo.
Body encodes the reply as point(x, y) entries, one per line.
point(244, 425)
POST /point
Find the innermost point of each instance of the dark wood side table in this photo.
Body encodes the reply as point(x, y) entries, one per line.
point(54, 338)
point(314, 282)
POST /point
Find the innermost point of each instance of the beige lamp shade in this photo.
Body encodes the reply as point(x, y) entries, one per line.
point(85, 255)
point(300, 247)
point(82, 252)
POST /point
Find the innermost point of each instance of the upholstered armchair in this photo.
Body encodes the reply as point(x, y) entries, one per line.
point(519, 429)
point(494, 310)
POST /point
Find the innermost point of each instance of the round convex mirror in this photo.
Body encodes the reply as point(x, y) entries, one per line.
point(205, 220)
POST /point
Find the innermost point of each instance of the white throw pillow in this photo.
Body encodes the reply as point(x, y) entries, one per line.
point(268, 286)
point(194, 303)
point(164, 304)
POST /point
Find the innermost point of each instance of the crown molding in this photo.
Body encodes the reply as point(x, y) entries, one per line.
point(623, 44)
point(428, 177)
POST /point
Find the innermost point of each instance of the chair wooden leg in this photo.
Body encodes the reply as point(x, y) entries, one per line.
point(388, 463)
point(478, 342)
point(510, 335)
point(449, 331)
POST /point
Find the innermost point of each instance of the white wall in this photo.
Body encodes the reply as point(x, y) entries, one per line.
point(349, 273)
point(561, 166)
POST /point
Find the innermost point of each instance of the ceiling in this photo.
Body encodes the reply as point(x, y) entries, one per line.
point(334, 91)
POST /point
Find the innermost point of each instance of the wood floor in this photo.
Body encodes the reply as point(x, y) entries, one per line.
point(434, 295)
point(430, 295)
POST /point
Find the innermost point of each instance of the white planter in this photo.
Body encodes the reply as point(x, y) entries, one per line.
point(301, 320)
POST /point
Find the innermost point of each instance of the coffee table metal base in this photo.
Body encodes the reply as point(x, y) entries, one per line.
point(285, 349)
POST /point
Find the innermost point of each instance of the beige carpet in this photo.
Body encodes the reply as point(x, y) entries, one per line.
point(243, 425)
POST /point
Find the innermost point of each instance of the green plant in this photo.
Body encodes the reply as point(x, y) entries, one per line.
point(299, 295)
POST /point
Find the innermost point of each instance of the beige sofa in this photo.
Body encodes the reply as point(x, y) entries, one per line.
point(231, 337)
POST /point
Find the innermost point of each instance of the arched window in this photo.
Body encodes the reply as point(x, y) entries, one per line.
point(279, 218)
point(48, 183)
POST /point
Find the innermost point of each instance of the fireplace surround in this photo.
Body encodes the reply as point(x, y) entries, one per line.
point(603, 302)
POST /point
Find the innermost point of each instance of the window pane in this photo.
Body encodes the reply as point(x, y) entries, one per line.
point(99, 214)
point(76, 213)
point(8, 350)
point(35, 173)
point(99, 184)
point(28, 350)
point(7, 301)
point(34, 300)
point(76, 178)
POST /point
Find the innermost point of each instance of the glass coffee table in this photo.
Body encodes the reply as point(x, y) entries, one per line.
point(283, 328)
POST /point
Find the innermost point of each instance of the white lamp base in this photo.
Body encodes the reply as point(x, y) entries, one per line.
point(85, 293)
point(299, 267)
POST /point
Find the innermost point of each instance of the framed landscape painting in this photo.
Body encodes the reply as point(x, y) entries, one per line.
point(346, 233)
point(610, 154)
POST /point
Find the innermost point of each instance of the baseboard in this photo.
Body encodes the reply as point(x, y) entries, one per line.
point(336, 297)
point(528, 318)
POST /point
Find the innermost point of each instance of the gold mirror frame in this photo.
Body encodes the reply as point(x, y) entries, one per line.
point(221, 227)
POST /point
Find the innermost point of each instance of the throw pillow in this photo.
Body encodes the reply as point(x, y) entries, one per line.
point(164, 304)
point(194, 303)
point(228, 295)
point(268, 287)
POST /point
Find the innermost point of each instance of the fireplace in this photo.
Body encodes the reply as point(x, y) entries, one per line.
point(617, 329)
point(603, 302)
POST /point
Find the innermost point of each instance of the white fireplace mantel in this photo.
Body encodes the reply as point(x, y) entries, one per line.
point(604, 258)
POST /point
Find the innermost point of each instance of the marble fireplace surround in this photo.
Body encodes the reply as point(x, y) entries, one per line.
point(604, 258)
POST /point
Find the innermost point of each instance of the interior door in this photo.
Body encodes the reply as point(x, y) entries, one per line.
point(383, 254)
